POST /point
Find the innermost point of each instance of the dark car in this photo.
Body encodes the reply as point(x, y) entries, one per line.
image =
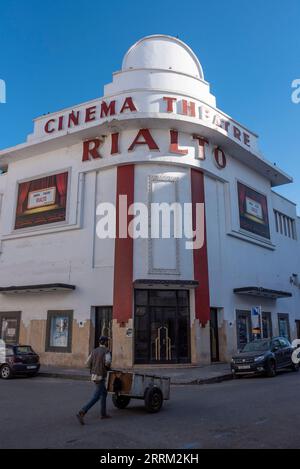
point(264, 356)
point(17, 360)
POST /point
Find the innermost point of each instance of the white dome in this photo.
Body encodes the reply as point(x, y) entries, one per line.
point(164, 53)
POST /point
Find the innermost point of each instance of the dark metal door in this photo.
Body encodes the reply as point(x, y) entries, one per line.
point(214, 335)
point(162, 326)
point(103, 324)
point(298, 328)
point(164, 333)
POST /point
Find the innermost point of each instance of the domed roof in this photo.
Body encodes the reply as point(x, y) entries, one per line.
point(162, 52)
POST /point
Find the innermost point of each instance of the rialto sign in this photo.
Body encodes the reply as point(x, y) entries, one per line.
point(101, 111)
point(144, 137)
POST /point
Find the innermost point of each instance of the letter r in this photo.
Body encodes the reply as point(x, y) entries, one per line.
point(90, 149)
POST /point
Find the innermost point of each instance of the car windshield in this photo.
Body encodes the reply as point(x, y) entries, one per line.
point(24, 349)
point(257, 346)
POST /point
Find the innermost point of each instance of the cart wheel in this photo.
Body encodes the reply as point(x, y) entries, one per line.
point(153, 400)
point(120, 401)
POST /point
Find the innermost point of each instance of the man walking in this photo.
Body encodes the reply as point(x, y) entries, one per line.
point(98, 362)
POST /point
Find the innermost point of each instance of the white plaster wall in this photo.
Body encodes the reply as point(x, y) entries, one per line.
point(69, 253)
point(239, 262)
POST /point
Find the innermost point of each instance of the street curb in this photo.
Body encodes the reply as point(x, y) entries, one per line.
point(215, 379)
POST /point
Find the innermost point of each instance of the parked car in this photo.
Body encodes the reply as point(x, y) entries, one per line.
point(17, 360)
point(264, 356)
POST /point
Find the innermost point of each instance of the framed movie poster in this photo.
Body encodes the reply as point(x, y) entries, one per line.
point(42, 201)
point(253, 211)
point(59, 331)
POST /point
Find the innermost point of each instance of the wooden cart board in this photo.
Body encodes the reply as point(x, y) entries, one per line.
point(127, 385)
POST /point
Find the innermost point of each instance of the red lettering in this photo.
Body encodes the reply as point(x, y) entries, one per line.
point(90, 114)
point(201, 146)
point(128, 104)
point(60, 122)
point(90, 149)
point(246, 139)
point(174, 144)
point(108, 109)
point(226, 125)
point(47, 129)
point(188, 108)
point(170, 103)
point(236, 133)
point(114, 144)
point(220, 158)
point(73, 118)
point(147, 140)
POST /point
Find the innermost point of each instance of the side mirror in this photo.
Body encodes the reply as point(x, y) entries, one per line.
point(275, 348)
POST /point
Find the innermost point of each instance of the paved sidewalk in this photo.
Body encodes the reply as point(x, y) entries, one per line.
point(179, 375)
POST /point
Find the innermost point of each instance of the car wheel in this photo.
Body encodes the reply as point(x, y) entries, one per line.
point(5, 372)
point(120, 401)
point(153, 400)
point(271, 369)
point(295, 367)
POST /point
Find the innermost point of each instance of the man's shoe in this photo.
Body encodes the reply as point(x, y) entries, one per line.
point(105, 416)
point(80, 416)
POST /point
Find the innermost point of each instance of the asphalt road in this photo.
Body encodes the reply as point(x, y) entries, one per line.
point(248, 413)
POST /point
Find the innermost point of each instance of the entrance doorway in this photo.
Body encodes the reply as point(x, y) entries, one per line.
point(298, 328)
point(244, 330)
point(103, 324)
point(162, 326)
point(214, 335)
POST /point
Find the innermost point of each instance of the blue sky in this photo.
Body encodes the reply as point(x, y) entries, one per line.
point(58, 53)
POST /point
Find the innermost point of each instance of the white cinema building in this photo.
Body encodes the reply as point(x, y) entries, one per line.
point(155, 136)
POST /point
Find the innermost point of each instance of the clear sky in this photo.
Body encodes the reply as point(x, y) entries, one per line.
point(58, 53)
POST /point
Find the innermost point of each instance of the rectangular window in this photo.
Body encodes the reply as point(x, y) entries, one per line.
point(266, 325)
point(10, 326)
point(289, 227)
point(253, 211)
point(276, 221)
point(280, 223)
point(294, 229)
point(284, 325)
point(285, 225)
point(42, 201)
point(59, 331)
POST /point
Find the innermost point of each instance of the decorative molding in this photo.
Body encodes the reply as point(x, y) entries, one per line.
point(151, 268)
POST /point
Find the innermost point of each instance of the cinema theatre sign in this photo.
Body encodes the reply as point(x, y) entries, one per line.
point(100, 111)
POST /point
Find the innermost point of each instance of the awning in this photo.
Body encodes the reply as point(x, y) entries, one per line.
point(47, 287)
point(262, 292)
point(148, 283)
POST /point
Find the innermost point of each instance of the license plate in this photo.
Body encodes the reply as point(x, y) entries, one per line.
point(244, 367)
point(31, 367)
